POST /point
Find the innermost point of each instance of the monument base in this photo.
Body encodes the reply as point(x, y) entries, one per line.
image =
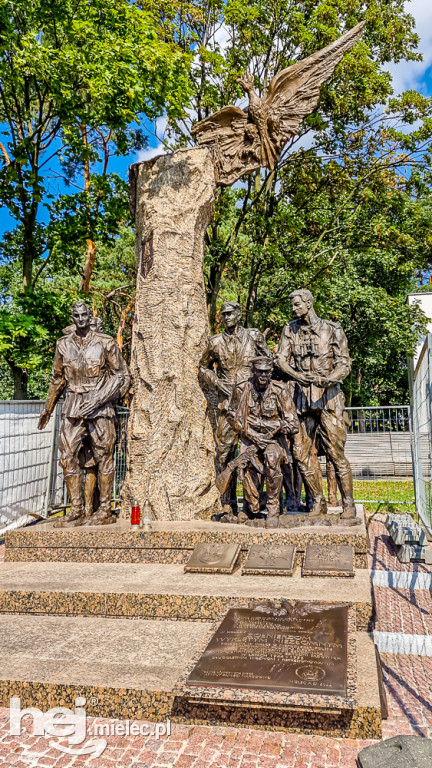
point(171, 542)
point(163, 591)
point(129, 670)
point(67, 597)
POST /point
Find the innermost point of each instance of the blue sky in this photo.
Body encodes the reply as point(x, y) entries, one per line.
point(406, 75)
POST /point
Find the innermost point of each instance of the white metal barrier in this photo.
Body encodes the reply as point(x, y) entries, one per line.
point(25, 463)
point(421, 396)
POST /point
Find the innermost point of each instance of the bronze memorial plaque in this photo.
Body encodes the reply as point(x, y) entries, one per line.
point(301, 648)
point(273, 561)
point(213, 558)
point(328, 560)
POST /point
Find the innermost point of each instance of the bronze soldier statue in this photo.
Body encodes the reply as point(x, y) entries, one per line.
point(263, 414)
point(232, 352)
point(314, 353)
point(89, 365)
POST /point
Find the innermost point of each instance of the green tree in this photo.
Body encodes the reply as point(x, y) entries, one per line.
point(344, 217)
point(75, 78)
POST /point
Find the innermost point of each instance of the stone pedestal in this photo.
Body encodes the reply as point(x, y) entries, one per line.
point(170, 443)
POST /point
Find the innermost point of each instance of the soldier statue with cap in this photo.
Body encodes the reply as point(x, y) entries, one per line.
point(313, 353)
point(226, 361)
point(262, 412)
point(88, 364)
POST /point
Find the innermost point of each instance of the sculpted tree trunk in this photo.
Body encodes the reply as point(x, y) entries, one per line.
point(170, 443)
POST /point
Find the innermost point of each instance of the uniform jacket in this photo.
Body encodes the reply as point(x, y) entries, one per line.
point(86, 367)
point(321, 348)
point(267, 413)
point(234, 352)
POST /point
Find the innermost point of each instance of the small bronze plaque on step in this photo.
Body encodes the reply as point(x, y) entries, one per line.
point(213, 558)
point(328, 560)
point(298, 649)
point(270, 561)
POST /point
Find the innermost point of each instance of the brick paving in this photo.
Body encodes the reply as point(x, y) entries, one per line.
point(407, 680)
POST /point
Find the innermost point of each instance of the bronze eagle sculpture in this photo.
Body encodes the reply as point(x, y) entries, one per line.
point(243, 141)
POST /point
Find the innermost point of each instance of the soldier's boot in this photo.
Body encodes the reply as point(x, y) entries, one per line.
point(272, 520)
point(319, 507)
point(103, 516)
point(314, 486)
point(349, 508)
point(76, 515)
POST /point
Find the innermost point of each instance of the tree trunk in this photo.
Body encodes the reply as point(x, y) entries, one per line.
point(88, 266)
point(29, 252)
point(20, 380)
point(91, 245)
point(171, 451)
point(212, 303)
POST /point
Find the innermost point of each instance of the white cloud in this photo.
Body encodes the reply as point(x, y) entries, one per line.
point(161, 126)
point(150, 153)
point(411, 74)
point(222, 37)
point(157, 135)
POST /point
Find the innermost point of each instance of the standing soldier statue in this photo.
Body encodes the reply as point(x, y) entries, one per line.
point(232, 352)
point(314, 354)
point(89, 365)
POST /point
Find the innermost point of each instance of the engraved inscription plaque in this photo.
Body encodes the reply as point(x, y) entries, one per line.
point(301, 648)
point(328, 560)
point(274, 561)
point(210, 557)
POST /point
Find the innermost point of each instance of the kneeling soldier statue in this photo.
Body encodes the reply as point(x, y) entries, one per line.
point(263, 414)
point(89, 365)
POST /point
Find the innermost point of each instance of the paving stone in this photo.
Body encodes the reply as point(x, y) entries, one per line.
point(398, 752)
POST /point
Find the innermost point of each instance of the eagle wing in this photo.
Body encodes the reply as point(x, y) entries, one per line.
point(226, 126)
point(294, 92)
point(233, 141)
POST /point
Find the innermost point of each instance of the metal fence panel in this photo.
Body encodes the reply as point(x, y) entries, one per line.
point(120, 451)
point(25, 462)
point(379, 448)
point(421, 391)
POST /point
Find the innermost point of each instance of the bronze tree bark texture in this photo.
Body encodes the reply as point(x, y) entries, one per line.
point(171, 445)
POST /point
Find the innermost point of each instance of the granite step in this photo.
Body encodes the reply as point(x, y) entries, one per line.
point(129, 670)
point(170, 541)
point(164, 591)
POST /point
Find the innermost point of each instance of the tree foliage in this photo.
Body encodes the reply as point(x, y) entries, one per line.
point(75, 79)
point(346, 213)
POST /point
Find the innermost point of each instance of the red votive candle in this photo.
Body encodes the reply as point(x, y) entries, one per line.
point(135, 516)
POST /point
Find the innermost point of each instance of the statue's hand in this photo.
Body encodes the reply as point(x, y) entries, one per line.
point(262, 442)
point(324, 381)
point(224, 387)
point(87, 408)
point(43, 419)
point(210, 377)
